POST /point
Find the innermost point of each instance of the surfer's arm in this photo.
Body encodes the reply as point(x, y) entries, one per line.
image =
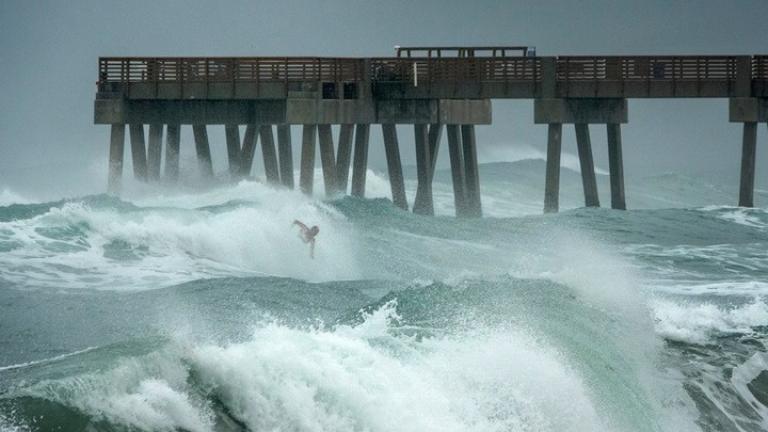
point(301, 225)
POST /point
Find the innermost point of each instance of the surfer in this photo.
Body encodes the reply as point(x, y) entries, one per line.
point(308, 235)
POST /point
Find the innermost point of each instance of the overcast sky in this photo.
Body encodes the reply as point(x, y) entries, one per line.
point(49, 50)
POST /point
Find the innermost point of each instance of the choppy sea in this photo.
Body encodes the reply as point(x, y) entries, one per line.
point(202, 311)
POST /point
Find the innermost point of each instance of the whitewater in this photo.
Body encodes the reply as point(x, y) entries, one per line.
point(200, 310)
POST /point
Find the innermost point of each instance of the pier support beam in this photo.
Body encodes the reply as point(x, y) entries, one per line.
point(581, 112)
point(285, 155)
point(327, 159)
point(203, 149)
point(269, 154)
point(248, 150)
point(155, 151)
point(116, 153)
point(362, 133)
point(423, 203)
point(307, 174)
point(343, 157)
point(587, 165)
point(749, 149)
point(552, 182)
point(435, 134)
point(616, 167)
point(471, 172)
point(138, 151)
point(232, 133)
point(172, 146)
point(457, 169)
point(394, 166)
point(749, 111)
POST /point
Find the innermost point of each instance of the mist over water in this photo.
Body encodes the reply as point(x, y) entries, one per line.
point(200, 310)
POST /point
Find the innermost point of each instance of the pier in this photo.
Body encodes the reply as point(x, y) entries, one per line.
point(436, 90)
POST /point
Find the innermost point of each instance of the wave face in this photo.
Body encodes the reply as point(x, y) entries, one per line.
point(202, 311)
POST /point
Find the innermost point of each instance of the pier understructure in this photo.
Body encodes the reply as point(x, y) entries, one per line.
point(433, 95)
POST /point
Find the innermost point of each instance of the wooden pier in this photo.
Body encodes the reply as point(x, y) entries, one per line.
point(435, 89)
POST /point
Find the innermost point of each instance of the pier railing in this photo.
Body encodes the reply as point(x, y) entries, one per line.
point(580, 76)
point(227, 69)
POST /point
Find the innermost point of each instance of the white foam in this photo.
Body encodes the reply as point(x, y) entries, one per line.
point(363, 378)
point(360, 377)
point(173, 245)
point(148, 393)
point(699, 323)
point(43, 361)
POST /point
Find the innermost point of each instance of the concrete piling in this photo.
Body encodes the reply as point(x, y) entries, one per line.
point(423, 203)
point(587, 165)
point(285, 155)
point(457, 169)
point(138, 151)
point(154, 151)
point(172, 146)
point(248, 150)
point(748, 153)
point(343, 157)
point(269, 154)
point(552, 182)
point(232, 133)
point(435, 134)
point(116, 153)
point(203, 150)
point(327, 159)
point(616, 167)
point(471, 171)
point(394, 166)
point(307, 174)
point(360, 164)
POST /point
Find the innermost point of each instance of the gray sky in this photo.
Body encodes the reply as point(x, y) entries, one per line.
point(49, 49)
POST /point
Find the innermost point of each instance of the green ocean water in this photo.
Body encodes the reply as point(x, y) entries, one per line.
point(202, 311)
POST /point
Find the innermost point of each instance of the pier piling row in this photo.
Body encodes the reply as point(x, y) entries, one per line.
point(433, 95)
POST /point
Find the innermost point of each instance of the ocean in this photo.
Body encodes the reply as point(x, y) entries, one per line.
point(200, 310)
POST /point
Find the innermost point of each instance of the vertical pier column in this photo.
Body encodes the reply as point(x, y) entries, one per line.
point(285, 155)
point(203, 149)
point(423, 203)
point(249, 149)
point(232, 133)
point(471, 174)
point(394, 166)
point(433, 140)
point(327, 159)
point(457, 169)
point(116, 153)
point(748, 151)
point(552, 182)
point(269, 154)
point(172, 144)
point(616, 167)
point(435, 133)
point(155, 151)
point(343, 157)
point(360, 167)
point(138, 151)
point(587, 165)
point(307, 174)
